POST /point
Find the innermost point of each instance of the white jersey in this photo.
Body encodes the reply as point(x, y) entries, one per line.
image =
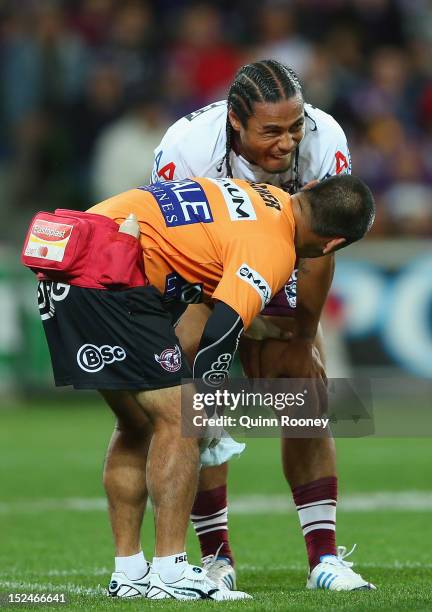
point(195, 146)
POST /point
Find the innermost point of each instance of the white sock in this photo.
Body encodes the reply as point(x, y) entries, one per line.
point(170, 568)
point(134, 566)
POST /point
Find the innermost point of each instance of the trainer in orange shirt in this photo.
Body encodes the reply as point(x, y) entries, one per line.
point(225, 240)
point(233, 238)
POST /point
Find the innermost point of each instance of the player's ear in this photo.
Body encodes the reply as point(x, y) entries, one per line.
point(234, 120)
point(333, 244)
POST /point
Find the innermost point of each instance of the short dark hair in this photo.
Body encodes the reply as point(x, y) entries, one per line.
point(263, 81)
point(341, 207)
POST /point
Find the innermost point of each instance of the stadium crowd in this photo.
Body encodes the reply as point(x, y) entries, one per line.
point(89, 88)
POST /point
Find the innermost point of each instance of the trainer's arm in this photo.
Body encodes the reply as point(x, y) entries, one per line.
point(218, 344)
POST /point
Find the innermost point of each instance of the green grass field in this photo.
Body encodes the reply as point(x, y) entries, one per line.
point(55, 535)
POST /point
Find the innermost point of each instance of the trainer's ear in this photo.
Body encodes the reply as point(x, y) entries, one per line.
point(234, 120)
point(333, 244)
point(310, 185)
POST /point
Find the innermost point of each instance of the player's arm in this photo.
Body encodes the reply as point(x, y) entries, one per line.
point(315, 275)
point(314, 280)
point(294, 353)
point(313, 284)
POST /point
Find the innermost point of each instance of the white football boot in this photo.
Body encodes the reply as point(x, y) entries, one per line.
point(192, 585)
point(121, 586)
point(220, 570)
point(335, 574)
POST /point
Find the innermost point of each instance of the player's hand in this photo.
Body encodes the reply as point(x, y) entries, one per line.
point(299, 359)
point(295, 358)
point(249, 352)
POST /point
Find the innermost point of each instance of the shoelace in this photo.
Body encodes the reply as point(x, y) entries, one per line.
point(211, 558)
point(342, 555)
point(211, 561)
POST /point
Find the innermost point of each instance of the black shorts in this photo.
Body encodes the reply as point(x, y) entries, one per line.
point(102, 339)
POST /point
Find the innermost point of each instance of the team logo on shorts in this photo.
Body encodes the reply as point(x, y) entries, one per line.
point(93, 358)
point(170, 359)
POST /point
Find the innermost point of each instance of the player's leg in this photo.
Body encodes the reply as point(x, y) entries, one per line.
point(210, 510)
point(309, 466)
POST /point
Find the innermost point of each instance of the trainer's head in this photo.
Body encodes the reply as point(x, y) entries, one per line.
point(265, 121)
point(331, 215)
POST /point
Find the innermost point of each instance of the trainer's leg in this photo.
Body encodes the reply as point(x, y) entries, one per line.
point(210, 510)
point(124, 471)
point(171, 471)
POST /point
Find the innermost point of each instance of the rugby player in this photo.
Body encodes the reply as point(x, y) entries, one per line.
point(121, 341)
point(265, 132)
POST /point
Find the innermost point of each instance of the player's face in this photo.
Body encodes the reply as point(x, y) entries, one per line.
point(272, 133)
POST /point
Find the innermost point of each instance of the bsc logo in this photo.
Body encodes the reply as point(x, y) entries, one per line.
point(218, 372)
point(92, 358)
point(169, 359)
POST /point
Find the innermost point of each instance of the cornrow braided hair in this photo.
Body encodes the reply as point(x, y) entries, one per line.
point(264, 81)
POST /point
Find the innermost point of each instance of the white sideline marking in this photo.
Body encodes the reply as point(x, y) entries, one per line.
point(20, 587)
point(412, 501)
point(357, 502)
point(301, 566)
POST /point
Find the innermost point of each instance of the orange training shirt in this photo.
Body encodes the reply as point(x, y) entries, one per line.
point(234, 238)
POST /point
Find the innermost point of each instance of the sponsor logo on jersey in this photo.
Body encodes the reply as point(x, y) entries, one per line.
point(167, 171)
point(177, 288)
point(48, 240)
point(218, 372)
point(256, 281)
point(181, 202)
point(170, 359)
point(342, 164)
point(239, 205)
point(269, 199)
point(91, 358)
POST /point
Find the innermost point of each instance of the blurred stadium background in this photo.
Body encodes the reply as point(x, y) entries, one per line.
point(88, 88)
